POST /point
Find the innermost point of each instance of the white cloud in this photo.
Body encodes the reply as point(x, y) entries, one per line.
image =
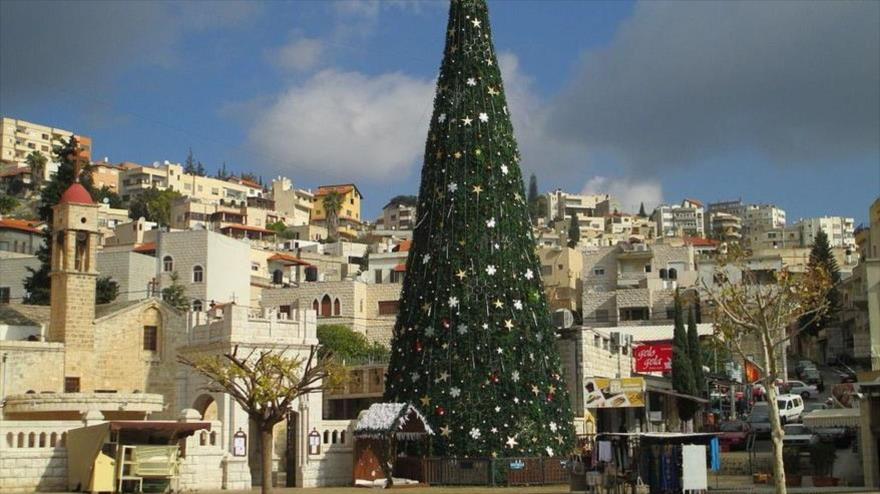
point(629, 192)
point(299, 55)
point(347, 125)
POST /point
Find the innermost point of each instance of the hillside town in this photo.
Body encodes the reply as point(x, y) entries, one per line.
point(180, 325)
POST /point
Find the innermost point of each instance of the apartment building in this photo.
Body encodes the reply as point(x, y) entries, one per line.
point(561, 271)
point(754, 217)
point(725, 227)
point(388, 265)
point(106, 174)
point(294, 204)
point(398, 216)
point(170, 176)
point(19, 138)
point(840, 230)
point(562, 205)
point(190, 212)
point(634, 283)
point(685, 219)
point(871, 259)
point(109, 219)
point(349, 215)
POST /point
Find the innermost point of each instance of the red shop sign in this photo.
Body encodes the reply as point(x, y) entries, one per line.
point(653, 358)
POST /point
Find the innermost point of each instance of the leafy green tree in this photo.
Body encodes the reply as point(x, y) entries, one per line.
point(405, 200)
point(277, 227)
point(682, 368)
point(349, 346)
point(175, 293)
point(36, 161)
point(332, 203)
point(695, 354)
point(106, 290)
point(473, 345)
point(38, 283)
point(574, 231)
point(822, 256)
point(113, 199)
point(7, 204)
point(153, 205)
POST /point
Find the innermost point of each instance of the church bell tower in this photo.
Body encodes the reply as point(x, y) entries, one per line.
point(74, 275)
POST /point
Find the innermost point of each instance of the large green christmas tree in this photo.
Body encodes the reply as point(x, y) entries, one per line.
point(473, 343)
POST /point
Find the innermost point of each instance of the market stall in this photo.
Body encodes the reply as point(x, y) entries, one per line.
point(650, 462)
point(377, 433)
point(119, 454)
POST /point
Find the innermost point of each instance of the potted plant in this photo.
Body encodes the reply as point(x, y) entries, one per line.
point(791, 460)
point(822, 457)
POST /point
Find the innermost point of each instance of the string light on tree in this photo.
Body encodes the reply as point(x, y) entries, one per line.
point(484, 366)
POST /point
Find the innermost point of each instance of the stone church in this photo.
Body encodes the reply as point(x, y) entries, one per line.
point(77, 362)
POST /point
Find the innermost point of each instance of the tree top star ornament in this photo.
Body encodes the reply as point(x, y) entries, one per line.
point(473, 334)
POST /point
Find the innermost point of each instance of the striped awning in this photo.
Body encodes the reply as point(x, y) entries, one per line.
point(833, 417)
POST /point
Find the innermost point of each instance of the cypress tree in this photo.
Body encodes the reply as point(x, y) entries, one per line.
point(695, 353)
point(822, 256)
point(473, 345)
point(642, 213)
point(682, 369)
point(574, 232)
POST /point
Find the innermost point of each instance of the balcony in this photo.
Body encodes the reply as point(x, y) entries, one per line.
point(72, 405)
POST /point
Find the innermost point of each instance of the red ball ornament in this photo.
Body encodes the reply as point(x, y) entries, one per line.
point(550, 396)
point(440, 411)
point(495, 379)
point(446, 323)
point(418, 346)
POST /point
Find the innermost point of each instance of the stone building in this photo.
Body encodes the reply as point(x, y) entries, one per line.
point(368, 308)
point(75, 363)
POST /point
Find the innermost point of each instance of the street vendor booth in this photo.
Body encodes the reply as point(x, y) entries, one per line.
point(124, 454)
point(650, 462)
point(376, 435)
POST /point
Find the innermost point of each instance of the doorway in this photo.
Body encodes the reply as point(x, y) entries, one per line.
point(290, 466)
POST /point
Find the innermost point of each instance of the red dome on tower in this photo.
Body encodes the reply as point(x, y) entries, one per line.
point(76, 194)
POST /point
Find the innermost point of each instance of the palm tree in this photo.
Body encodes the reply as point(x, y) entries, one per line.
point(37, 163)
point(332, 205)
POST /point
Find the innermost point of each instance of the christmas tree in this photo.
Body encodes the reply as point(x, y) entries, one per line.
point(473, 343)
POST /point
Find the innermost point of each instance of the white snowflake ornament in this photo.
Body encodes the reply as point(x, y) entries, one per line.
point(490, 270)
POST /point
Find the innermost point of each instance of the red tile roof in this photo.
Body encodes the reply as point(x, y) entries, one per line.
point(404, 246)
point(341, 188)
point(701, 242)
point(248, 228)
point(20, 225)
point(145, 247)
point(287, 258)
point(694, 201)
point(76, 194)
point(400, 268)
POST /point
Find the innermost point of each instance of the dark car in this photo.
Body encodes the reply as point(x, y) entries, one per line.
point(813, 376)
point(734, 434)
point(759, 420)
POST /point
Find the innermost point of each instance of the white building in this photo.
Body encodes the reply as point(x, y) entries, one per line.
point(840, 230)
point(210, 266)
point(561, 205)
point(685, 219)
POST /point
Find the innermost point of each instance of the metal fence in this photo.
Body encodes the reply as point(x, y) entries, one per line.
point(495, 471)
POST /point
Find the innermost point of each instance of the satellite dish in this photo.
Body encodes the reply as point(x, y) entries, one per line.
point(106, 200)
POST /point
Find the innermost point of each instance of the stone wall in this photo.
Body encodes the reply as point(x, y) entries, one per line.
point(32, 365)
point(33, 456)
point(13, 271)
point(600, 258)
point(132, 271)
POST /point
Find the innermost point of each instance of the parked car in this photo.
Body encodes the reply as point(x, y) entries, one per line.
point(813, 376)
point(803, 365)
point(803, 389)
point(798, 435)
point(791, 407)
point(759, 419)
point(734, 434)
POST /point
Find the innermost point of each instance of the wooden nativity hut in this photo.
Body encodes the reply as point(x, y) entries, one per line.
point(376, 435)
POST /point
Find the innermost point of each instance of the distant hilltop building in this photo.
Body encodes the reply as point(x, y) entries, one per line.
point(19, 138)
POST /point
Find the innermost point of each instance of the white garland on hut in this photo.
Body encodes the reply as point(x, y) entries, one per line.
point(382, 419)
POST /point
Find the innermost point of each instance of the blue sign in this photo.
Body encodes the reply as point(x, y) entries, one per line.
point(517, 465)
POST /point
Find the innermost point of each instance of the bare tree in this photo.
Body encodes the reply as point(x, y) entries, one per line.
point(265, 383)
point(759, 312)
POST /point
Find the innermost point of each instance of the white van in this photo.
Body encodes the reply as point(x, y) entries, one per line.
point(791, 408)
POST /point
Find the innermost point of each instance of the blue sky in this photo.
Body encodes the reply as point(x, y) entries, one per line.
point(654, 101)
